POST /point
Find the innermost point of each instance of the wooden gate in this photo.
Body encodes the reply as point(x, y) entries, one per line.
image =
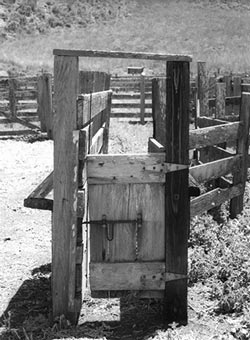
point(138, 210)
point(126, 196)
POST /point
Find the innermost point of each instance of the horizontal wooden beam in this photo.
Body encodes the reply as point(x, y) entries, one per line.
point(17, 132)
point(130, 276)
point(129, 168)
point(216, 169)
point(90, 105)
point(234, 100)
point(213, 135)
point(213, 199)
point(122, 55)
point(203, 122)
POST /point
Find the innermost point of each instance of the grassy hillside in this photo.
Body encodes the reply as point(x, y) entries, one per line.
point(213, 31)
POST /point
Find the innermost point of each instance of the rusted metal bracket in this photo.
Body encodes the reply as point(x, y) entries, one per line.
point(166, 167)
point(109, 224)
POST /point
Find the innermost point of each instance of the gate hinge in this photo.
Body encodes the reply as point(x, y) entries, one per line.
point(165, 167)
point(174, 276)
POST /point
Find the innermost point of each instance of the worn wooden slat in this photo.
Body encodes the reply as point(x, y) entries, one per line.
point(122, 55)
point(159, 109)
point(154, 146)
point(213, 153)
point(177, 215)
point(233, 100)
point(127, 276)
point(220, 100)
point(202, 89)
point(64, 228)
point(38, 203)
point(97, 141)
point(200, 138)
point(129, 168)
point(203, 122)
point(216, 169)
point(213, 199)
point(142, 99)
point(17, 132)
point(44, 103)
point(236, 205)
point(44, 188)
point(90, 105)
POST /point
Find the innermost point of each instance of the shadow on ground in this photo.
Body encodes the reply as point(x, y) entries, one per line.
point(28, 315)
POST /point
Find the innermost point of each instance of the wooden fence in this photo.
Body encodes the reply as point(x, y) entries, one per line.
point(130, 203)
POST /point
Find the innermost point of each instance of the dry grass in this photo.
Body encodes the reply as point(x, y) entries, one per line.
point(211, 32)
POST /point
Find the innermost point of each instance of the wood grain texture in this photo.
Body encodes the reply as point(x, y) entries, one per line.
point(90, 105)
point(127, 276)
point(220, 101)
point(236, 205)
point(64, 229)
point(202, 89)
point(159, 109)
point(213, 135)
point(213, 199)
point(216, 169)
point(44, 103)
point(177, 210)
point(122, 55)
point(129, 168)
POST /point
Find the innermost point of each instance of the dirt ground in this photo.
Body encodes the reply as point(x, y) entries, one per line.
point(25, 257)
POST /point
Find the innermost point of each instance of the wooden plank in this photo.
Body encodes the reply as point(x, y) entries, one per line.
point(177, 216)
point(216, 169)
point(12, 96)
point(44, 188)
point(207, 121)
point(97, 141)
point(129, 168)
point(159, 109)
point(220, 100)
point(125, 201)
point(154, 146)
point(127, 276)
point(236, 204)
point(200, 138)
point(142, 100)
point(90, 105)
point(213, 199)
point(17, 132)
point(202, 89)
point(121, 55)
point(213, 153)
point(64, 228)
point(38, 203)
point(105, 146)
point(44, 102)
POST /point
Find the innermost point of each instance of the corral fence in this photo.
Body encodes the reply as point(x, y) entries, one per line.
point(28, 101)
point(120, 222)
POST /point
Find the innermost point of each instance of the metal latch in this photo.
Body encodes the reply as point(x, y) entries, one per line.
point(165, 167)
point(109, 224)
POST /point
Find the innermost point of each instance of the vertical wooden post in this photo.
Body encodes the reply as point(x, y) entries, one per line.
point(64, 228)
point(236, 92)
point(177, 212)
point(236, 204)
point(202, 90)
point(106, 130)
point(12, 96)
point(220, 101)
point(142, 98)
point(229, 93)
point(44, 102)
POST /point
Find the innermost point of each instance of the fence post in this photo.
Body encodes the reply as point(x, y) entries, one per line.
point(177, 205)
point(106, 129)
point(236, 204)
point(44, 103)
point(12, 96)
point(142, 98)
point(236, 92)
point(220, 100)
point(65, 221)
point(202, 90)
